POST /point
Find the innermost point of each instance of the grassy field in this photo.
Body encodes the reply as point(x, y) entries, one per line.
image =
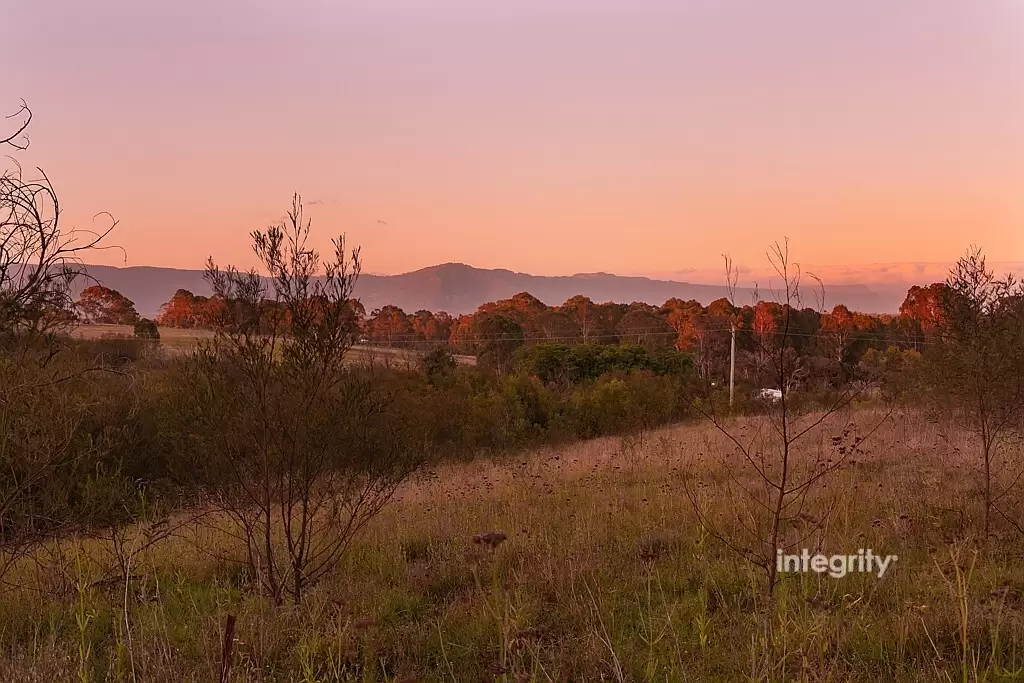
point(167, 334)
point(184, 340)
point(606, 574)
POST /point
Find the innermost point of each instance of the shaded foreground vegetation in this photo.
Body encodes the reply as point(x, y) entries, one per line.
point(606, 573)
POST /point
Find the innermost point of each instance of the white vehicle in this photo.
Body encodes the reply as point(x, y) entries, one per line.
point(772, 395)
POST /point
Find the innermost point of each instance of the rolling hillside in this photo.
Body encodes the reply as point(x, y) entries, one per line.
point(458, 288)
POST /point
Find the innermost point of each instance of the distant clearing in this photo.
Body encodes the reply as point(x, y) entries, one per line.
point(183, 340)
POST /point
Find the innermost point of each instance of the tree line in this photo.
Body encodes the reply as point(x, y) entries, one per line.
point(832, 343)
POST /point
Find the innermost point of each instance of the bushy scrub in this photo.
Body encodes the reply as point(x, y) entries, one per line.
point(569, 364)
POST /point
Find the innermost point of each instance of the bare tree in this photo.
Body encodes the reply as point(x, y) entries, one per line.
point(773, 511)
point(977, 366)
point(39, 259)
point(287, 423)
point(39, 419)
point(18, 138)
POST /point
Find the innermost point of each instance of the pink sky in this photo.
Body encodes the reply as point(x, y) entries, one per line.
point(545, 136)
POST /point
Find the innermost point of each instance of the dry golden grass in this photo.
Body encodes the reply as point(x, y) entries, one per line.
point(180, 340)
point(604, 574)
point(172, 334)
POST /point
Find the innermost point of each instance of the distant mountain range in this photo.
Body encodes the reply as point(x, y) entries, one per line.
point(458, 288)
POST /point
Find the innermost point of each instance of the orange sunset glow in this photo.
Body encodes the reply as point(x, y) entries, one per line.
point(548, 137)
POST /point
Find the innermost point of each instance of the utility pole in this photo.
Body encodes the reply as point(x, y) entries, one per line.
point(732, 361)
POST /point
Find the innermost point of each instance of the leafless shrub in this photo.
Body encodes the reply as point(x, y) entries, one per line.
point(773, 513)
point(301, 446)
point(39, 259)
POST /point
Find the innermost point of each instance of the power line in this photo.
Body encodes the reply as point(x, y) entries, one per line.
point(640, 332)
point(647, 332)
point(919, 341)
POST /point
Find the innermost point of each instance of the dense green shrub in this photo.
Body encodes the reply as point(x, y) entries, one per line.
point(83, 444)
point(438, 362)
point(562, 363)
point(147, 329)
